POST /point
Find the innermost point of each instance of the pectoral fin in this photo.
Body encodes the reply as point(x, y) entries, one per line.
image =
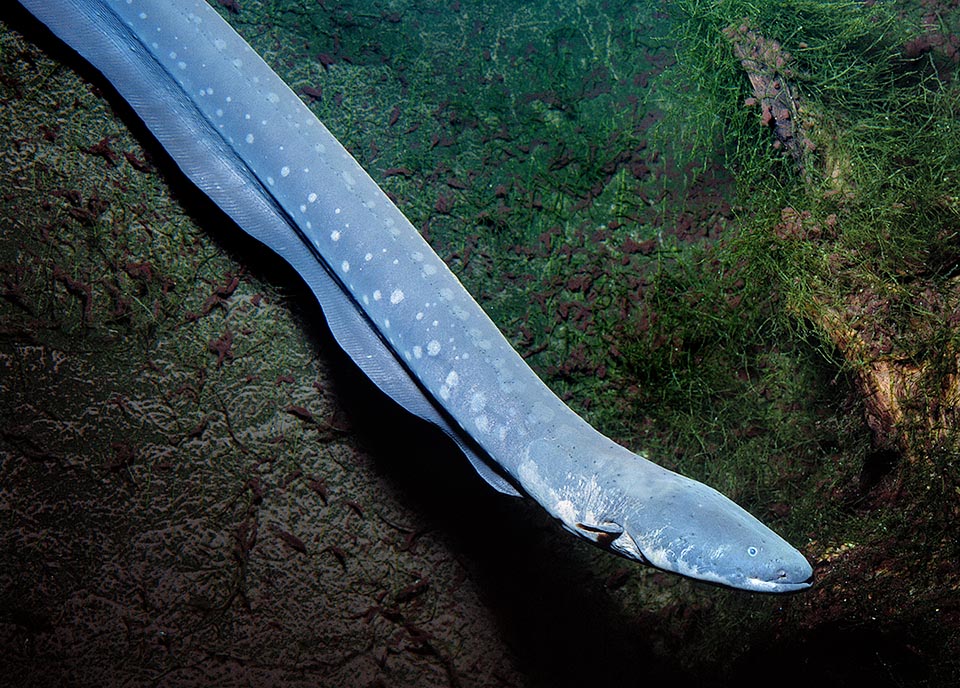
point(601, 533)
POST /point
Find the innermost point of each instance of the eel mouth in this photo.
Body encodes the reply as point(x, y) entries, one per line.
point(760, 585)
point(783, 582)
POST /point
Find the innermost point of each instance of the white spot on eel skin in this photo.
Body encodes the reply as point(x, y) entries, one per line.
point(477, 402)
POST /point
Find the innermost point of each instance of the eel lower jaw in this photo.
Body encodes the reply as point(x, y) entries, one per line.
point(783, 582)
point(760, 585)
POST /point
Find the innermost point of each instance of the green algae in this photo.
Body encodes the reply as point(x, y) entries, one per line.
point(846, 267)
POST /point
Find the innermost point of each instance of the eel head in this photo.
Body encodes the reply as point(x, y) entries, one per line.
point(645, 512)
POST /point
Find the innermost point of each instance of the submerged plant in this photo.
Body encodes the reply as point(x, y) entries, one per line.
point(856, 227)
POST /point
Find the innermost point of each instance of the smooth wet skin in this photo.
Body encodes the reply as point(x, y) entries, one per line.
point(246, 140)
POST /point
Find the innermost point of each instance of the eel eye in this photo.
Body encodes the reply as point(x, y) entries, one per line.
point(752, 551)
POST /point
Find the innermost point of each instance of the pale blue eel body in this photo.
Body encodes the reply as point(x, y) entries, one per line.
point(248, 142)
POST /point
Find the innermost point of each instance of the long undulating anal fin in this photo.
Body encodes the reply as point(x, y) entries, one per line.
point(197, 148)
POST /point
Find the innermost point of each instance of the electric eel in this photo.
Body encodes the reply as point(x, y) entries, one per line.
point(250, 144)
